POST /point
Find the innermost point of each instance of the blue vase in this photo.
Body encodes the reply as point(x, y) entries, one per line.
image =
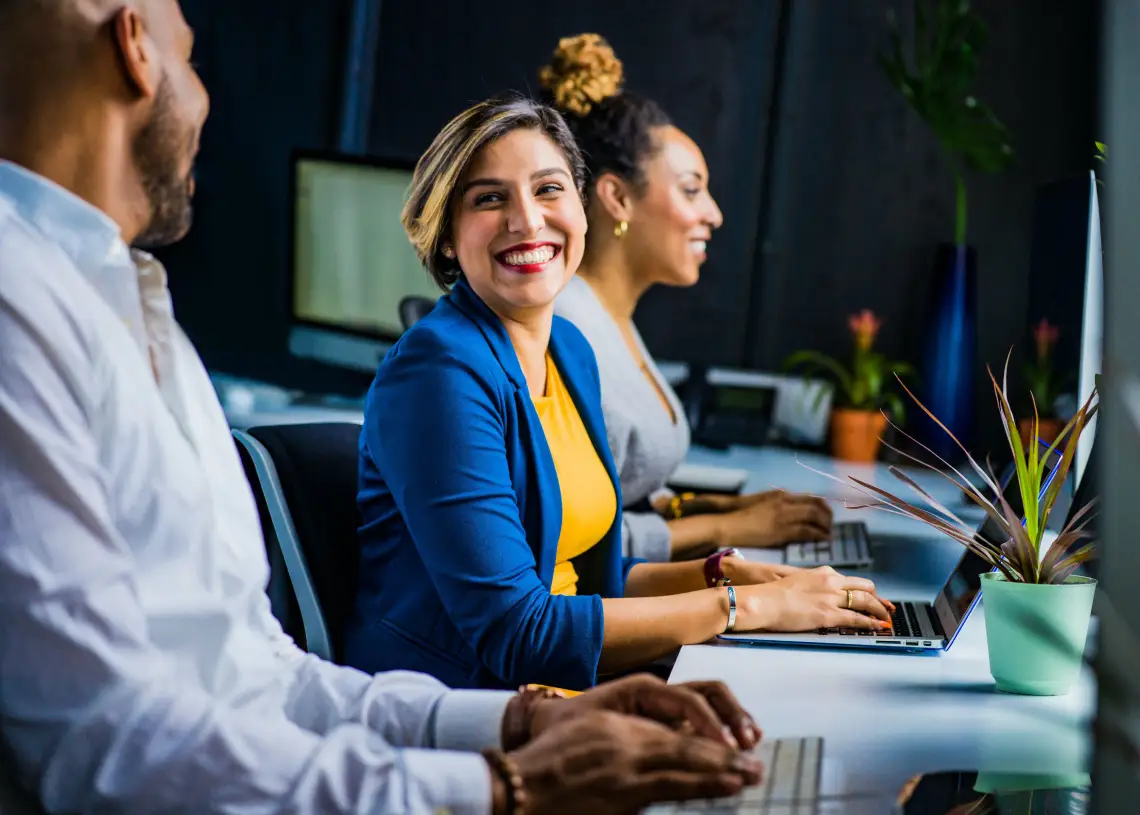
point(949, 354)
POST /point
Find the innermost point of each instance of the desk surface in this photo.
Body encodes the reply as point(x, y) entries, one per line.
point(886, 717)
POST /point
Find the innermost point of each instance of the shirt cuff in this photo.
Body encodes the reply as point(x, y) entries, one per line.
point(443, 781)
point(470, 720)
point(646, 535)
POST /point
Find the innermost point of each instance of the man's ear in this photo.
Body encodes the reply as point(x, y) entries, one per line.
point(615, 195)
point(136, 51)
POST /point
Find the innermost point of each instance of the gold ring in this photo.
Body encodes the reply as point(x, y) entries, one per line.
point(848, 599)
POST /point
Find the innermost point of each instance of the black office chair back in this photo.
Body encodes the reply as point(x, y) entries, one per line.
point(282, 596)
point(310, 498)
point(412, 308)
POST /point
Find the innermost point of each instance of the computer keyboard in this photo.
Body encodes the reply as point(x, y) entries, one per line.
point(849, 544)
point(790, 785)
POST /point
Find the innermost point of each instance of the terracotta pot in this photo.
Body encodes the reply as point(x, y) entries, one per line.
point(1047, 429)
point(856, 434)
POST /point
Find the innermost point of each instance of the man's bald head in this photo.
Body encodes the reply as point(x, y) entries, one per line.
point(115, 73)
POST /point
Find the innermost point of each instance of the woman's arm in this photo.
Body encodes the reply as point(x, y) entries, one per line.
point(641, 629)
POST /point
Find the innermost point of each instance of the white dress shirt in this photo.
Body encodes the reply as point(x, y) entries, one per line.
point(140, 667)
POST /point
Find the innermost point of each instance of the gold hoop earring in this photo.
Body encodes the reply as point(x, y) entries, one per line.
point(620, 228)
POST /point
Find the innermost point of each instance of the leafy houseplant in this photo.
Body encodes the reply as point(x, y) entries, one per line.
point(935, 73)
point(935, 80)
point(1028, 585)
point(1044, 385)
point(862, 391)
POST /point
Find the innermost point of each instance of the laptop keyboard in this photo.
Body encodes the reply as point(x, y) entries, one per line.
point(790, 785)
point(849, 543)
point(904, 623)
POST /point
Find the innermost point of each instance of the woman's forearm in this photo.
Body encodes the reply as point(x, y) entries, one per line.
point(641, 629)
point(660, 579)
point(694, 535)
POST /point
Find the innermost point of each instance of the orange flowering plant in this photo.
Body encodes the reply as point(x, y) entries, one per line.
point(866, 383)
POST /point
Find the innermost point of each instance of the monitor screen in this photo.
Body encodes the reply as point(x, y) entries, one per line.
point(352, 262)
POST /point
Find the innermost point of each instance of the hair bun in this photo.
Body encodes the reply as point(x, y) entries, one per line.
point(583, 72)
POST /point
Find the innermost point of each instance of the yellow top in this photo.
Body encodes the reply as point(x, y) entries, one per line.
point(589, 502)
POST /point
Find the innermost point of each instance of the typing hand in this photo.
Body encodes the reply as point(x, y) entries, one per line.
point(707, 709)
point(776, 518)
point(745, 573)
point(605, 763)
point(811, 599)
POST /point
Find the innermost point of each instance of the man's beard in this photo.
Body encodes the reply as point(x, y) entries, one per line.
point(158, 151)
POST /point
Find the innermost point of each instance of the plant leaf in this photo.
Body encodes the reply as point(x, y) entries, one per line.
point(945, 429)
point(816, 360)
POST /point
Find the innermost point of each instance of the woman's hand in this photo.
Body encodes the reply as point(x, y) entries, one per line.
point(811, 599)
point(608, 764)
point(775, 519)
point(743, 572)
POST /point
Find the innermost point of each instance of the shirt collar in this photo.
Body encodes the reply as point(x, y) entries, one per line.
point(85, 233)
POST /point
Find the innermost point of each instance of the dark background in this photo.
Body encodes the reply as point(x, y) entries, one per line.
point(834, 192)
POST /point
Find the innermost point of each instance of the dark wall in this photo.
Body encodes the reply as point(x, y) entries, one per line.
point(861, 195)
point(710, 64)
point(274, 72)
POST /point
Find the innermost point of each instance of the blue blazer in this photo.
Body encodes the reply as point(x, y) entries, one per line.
point(461, 512)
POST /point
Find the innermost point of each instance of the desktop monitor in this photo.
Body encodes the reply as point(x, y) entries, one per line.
point(352, 264)
point(1066, 288)
point(1092, 328)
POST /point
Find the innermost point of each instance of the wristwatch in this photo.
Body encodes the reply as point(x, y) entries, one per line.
point(714, 568)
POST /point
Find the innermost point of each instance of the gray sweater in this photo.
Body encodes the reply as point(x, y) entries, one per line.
point(647, 445)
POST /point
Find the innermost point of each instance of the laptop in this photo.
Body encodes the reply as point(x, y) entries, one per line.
point(916, 626)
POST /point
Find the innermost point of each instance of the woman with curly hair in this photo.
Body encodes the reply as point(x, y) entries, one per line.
point(650, 216)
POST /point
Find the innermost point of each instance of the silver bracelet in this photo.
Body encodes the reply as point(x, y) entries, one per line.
point(731, 608)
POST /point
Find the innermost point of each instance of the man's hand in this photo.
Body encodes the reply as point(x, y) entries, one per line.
point(707, 709)
point(605, 763)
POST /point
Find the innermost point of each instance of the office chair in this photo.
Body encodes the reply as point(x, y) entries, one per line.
point(413, 307)
point(306, 475)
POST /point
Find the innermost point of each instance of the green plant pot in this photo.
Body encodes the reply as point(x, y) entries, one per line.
point(1036, 633)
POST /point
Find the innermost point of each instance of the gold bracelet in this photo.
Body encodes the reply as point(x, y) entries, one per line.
point(675, 509)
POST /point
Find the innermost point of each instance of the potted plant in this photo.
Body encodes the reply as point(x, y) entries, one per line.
point(1037, 609)
point(1044, 387)
point(935, 73)
point(862, 391)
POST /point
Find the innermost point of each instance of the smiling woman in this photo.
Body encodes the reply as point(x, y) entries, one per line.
point(491, 520)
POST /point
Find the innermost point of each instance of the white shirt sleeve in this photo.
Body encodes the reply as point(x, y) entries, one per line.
point(94, 717)
point(405, 708)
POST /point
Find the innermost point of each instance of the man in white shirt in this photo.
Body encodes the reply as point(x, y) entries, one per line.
point(140, 667)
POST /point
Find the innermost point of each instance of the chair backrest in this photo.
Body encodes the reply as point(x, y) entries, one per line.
point(307, 475)
point(413, 307)
point(282, 596)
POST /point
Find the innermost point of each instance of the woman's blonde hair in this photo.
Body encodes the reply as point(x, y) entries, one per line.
point(427, 214)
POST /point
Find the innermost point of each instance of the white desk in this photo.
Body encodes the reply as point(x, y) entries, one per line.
point(885, 716)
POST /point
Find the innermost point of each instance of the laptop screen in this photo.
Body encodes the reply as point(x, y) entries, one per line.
point(961, 590)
